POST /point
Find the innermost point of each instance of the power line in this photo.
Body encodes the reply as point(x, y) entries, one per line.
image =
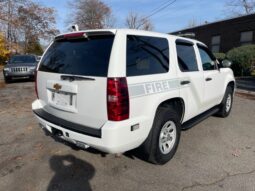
point(167, 4)
point(161, 4)
point(157, 10)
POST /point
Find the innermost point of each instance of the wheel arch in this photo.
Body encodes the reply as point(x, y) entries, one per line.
point(231, 84)
point(177, 103)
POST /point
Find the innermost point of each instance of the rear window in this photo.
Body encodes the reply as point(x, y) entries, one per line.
point(88, 57)
point(147, 55)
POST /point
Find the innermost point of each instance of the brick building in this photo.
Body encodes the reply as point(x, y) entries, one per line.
point(221, 36)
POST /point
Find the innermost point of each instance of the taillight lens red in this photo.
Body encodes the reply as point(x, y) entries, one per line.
point(36, 91)
point(117, 99)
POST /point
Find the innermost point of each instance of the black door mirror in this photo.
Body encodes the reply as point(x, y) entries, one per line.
point(226, 63)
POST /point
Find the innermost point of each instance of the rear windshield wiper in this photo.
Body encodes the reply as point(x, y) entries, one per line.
point(75, 78)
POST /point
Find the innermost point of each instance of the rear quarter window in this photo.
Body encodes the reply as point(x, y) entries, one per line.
point(147, 55)
point(88, 57)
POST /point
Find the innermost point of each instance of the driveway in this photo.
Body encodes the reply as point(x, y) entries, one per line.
point(217, 154)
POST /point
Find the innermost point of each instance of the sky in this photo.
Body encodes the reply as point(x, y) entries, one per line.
point(173, 18)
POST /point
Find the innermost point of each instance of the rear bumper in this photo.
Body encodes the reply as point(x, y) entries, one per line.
point(113, 137)
point(67, 125)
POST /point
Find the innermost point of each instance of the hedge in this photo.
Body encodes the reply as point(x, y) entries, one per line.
point(243, 59)
point(220, 56)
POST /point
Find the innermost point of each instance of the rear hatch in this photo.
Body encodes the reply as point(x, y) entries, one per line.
point(72, 77)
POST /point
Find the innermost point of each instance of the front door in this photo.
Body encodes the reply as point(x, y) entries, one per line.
point(213, 81)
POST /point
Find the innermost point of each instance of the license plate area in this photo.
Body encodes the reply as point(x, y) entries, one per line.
point(62, 100)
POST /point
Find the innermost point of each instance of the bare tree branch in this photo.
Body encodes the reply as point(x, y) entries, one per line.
point(135, 21)
point(240, 7)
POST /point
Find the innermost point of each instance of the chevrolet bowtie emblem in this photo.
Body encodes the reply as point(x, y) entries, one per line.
point(57, 87)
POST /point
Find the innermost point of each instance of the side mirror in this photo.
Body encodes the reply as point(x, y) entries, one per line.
point(226, 63)
point(6, 62)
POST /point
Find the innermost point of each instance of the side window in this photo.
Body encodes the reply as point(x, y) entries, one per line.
point(186, 57)
point(147, 55)
point(207, 58)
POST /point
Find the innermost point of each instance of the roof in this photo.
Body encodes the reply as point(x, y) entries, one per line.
point(219, 21)
point(132, 32)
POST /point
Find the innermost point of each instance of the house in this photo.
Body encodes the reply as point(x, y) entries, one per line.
point(221, 36)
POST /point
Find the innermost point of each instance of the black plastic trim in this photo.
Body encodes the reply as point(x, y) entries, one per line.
point(67, 124)
point(184, 42)
point(192, 122)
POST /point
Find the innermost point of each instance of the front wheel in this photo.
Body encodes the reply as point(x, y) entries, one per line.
point(227, 102)
point(163, 140)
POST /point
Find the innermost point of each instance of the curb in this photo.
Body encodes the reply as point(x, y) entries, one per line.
point(245, 92)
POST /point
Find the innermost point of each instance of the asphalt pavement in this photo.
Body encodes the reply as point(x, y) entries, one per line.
point(217, 154)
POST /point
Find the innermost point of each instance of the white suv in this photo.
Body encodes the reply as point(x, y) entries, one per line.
point(116, 90)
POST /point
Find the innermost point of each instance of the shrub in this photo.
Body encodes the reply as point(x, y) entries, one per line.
point(220, 56)
point(243, 59)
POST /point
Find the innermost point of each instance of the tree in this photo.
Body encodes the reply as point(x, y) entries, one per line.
point(25, 21)
point(34, 47)
point(3, 50)
point(135, 21)
point(36, 22)
point(8, 19)
point(240, 7)
point(91, 14)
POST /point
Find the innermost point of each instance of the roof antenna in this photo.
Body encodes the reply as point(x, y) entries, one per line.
point(75, 28)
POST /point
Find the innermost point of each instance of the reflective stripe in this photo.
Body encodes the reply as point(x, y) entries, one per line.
point(142, 89)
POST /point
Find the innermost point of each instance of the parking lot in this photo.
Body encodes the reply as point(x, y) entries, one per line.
point(217, 154)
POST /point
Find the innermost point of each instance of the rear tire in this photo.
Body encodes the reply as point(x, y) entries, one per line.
point(227, 102)
point(162, 142)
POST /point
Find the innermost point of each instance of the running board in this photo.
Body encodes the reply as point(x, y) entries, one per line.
point(194, 121)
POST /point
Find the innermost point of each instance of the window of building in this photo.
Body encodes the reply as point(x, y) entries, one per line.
point(246, 37)
point(207, 59)
point(216, 43)
point(186, 57)
point(147, 55)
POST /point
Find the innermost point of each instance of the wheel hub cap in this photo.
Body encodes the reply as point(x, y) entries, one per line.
point(228, 103)
point(167, 137)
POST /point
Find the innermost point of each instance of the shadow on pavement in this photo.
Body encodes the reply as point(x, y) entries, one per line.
point(137, 153)
point(74, 147)
point(71, 173)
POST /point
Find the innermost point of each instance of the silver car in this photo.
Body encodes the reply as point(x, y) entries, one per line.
point(20, 67)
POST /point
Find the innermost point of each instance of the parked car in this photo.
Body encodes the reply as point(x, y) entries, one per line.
point(20, 67)
point(116, 90)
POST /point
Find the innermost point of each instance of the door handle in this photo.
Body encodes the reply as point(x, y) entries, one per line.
point(185, 82)
point(208, 79)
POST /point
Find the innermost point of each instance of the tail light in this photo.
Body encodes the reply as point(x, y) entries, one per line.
point(117, 99)
point(36, 91)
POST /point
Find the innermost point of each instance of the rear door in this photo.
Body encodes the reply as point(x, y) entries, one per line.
point(72, 78)
point(191, 78)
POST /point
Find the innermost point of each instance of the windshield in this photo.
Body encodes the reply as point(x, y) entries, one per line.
point(22, 59)
point(88, 57)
